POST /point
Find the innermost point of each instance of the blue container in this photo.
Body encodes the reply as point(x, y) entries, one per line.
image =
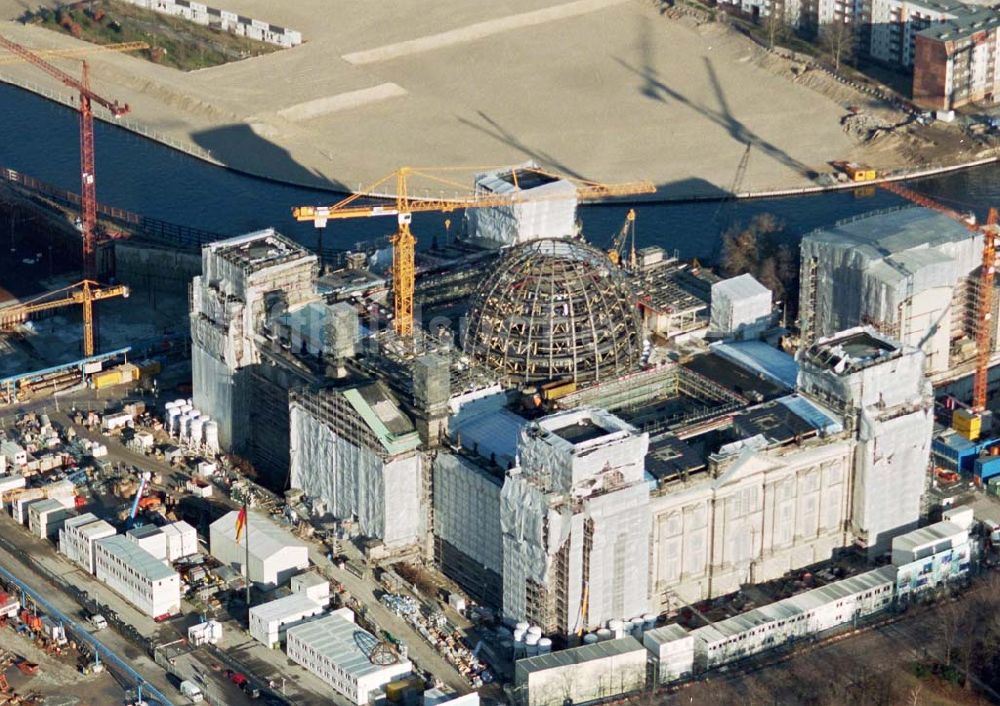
point(987, 466)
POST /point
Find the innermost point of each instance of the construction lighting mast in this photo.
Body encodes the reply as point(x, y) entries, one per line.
point(88, 193)
point(404, 243)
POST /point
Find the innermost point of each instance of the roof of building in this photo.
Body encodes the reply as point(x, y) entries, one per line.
point(381, 413)
point(47, 505)
point(80, 520)
point(852, 350)
point(744, 286)
point(734, 377)
point(263, 536)
point(147, 565)
point(144, 531)
point(667, 633)
point(489, 430)
point(796, 605)
point(579, 655)
point(308, 579)
point(759, 358)
point(260, 249)
point(96, 529)
point(281, 608)
point(670, 456)
point(342, 642)
point(179, 527)
point(966, 23)
point(884, 233)
point(926, 536)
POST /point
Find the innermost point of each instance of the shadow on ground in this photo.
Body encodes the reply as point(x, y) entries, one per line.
point(237, 146)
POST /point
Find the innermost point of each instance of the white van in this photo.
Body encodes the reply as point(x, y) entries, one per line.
point(191, 690)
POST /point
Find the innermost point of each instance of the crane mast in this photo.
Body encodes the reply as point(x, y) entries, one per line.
point(88, 192)
point(87, 292)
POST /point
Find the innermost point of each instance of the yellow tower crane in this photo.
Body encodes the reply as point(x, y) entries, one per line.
point(627, 233)
point(367, 203)
point(84, 293)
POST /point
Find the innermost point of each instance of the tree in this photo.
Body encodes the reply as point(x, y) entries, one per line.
point(777, 23)
point(838, 41)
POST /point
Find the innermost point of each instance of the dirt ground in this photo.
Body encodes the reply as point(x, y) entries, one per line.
point(55, 674)
point(605, 89)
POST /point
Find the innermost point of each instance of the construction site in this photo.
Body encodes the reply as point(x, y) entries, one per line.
point(453, 473)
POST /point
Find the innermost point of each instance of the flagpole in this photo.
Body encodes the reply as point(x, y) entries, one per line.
point(246, 540)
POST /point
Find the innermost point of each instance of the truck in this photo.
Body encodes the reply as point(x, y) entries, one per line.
point(192, 691)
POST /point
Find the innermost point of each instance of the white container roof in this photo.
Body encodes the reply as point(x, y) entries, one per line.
point(580, 655)
point(277, 610)
point(147, 565)
point(340, 641)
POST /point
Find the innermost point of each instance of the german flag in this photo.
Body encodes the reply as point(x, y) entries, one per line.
point(241, 522)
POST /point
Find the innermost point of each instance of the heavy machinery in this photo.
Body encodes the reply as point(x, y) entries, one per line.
point(968, 421)
point(627, 234)
point(363, 204)
point(134, 510)
point(84, 293)
point(88, 192)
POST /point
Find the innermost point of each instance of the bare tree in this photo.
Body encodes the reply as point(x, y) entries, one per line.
point(950, 618)
point(777, 23)
point(837, 39)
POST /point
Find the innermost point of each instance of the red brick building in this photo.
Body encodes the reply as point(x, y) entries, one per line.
point(956, 61)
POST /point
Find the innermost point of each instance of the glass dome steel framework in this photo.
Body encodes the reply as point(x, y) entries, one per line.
point(555, 310)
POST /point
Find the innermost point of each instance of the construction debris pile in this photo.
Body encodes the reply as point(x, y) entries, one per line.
point(864, 127)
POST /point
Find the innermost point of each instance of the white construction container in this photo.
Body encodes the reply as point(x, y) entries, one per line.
point(77, 537)
point(182, 540)
point(46, 518)
point(150, 538)
point(270, 621)
point(138, 576)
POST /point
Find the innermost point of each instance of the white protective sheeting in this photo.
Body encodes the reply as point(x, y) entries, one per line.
point(355, 482)
point(741, 308)
point(579, 503)
point(467, 509)
point(524, 514)
point(880, 383)
point(548, 210)
point(873, 269)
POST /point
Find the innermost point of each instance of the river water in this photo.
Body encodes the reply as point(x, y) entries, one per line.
point(40, 138)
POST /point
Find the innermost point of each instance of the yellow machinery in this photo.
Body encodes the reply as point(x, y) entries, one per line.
point(627, 232)
point(9, 58)
point(404, 243)
point(84, 293)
